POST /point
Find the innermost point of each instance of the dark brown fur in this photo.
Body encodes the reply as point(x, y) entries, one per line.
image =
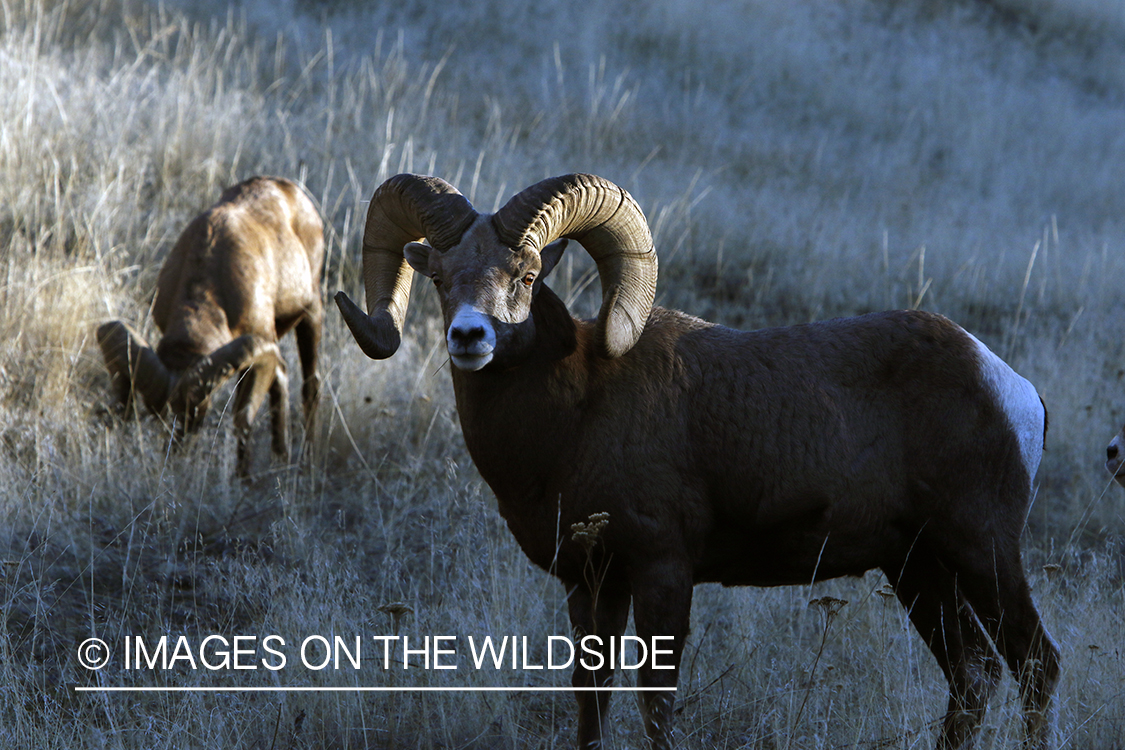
point(780, 456)
point(765, 458)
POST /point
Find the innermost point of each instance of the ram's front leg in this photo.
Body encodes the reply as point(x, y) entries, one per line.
point(662, 613)
point(603, 614)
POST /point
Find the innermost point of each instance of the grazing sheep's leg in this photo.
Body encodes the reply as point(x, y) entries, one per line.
point(308, 332)
point(996, 587)
point(279, 413)
point(661, 607)
point(946, 623)
point(252, 386)
point(606, 617)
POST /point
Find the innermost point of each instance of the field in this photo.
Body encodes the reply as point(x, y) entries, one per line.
point(796, 162)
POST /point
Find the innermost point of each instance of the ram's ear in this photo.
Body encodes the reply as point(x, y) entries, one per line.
point(550, 257)
point(417, 254)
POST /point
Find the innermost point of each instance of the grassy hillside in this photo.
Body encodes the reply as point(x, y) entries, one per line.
point(795, 163)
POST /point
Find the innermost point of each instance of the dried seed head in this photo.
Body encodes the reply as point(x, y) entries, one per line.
point(588, 532)
point(397, 610)
point(829, 604)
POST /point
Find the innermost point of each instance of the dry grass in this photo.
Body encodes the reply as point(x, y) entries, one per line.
point(795, 163)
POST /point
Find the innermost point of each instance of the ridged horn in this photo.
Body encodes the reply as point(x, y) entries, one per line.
point(191, 394)
point(405, 208)
point(134, 366)
point(606, 220)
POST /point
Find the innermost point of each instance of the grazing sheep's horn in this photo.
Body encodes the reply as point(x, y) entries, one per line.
point(405, 208)
point(611, 226)
point(134, 366)
point(191, 394)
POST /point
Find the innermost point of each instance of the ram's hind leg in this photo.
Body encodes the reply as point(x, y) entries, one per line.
point(661, 609)
point(946, 623)
point(604, 614)
point(998, 590)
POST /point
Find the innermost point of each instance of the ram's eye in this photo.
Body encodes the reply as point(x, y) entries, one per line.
point(529, 279)
point(437, 280)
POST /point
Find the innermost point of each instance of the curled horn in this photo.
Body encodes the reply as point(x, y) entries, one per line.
point(191, 394)
point(606, 220)
point(134, 366)
point(405, 208)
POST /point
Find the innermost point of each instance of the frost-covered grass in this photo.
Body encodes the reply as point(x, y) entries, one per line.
point(796, 161)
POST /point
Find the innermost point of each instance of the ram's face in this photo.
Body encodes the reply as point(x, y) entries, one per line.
point(486, 290)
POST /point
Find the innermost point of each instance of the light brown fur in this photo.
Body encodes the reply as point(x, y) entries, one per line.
point(242, 275)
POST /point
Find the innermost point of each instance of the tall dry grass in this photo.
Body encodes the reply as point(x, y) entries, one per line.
point(795, 161)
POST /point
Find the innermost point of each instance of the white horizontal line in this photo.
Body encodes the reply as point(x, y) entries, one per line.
point(277, 689)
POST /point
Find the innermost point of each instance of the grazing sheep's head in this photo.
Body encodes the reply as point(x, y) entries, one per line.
point(488, 268)
point(136, 368)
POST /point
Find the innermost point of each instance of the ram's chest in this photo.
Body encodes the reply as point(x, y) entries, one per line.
point(541, 516)
point(524, 502)
point(534, 446)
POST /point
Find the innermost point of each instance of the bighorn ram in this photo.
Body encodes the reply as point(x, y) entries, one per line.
point(1115, 457)
point(243, 273)
point(894, 440)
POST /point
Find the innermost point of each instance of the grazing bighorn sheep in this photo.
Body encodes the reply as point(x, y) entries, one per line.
point(1115, 457)
point(894, 440)
point(242, 274)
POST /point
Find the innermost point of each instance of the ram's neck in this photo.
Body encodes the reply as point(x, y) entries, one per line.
point(520, 423)
point(522, 428)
